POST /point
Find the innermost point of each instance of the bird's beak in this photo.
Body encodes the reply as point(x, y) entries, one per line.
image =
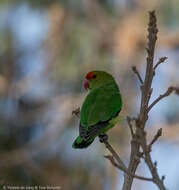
point(86, 84)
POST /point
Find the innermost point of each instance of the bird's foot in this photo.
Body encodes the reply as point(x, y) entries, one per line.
point(103, 138)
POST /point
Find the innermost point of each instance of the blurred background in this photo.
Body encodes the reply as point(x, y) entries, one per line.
point(46, 49)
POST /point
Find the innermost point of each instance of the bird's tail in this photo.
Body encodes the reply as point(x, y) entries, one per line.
point(79, 143)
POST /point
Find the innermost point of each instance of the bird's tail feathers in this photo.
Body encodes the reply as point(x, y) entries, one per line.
point(79, 143)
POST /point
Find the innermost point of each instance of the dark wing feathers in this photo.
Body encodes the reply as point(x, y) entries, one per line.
point(93, 130)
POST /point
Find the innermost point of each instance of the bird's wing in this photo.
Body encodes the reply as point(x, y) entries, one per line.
point(95, 130)
point(99, 107)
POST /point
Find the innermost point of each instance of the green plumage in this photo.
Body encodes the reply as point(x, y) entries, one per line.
point(100, 108)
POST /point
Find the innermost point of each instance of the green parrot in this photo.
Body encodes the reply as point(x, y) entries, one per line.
point(100, 109)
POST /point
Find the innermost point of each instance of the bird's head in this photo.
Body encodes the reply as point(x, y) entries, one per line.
point(95, 79)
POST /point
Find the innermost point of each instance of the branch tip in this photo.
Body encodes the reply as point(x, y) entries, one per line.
point(161, 60)
point(158, 134)
point(167, 93)
point(137, 73)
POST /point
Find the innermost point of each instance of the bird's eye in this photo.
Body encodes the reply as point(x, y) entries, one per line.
point(94, 76)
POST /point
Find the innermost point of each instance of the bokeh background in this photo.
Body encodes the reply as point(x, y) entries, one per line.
point(46, 48)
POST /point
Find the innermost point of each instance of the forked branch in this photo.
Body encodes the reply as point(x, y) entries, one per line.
point(139, 139)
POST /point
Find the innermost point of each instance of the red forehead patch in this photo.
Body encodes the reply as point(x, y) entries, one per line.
point(89, 75)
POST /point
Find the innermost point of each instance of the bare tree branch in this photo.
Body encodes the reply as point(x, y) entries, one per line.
point(125, 170)
point(167, 93)
point(120, 165)
point(139, 136)
point(146, 88)
point(152, 166)
point(133, 163)
point(161, 60)
point(146, 93)
point(115, 155)
point(158, 134)
point(137, 73)
point(130, 126)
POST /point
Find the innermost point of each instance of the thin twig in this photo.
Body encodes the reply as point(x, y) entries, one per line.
point(161, 60)
point(125, 170)
point(153, 170)
point(167, 93)
point(130, 126)
point(115, 155)
point(137, 73)
point(152, 166)
point(158, 134)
